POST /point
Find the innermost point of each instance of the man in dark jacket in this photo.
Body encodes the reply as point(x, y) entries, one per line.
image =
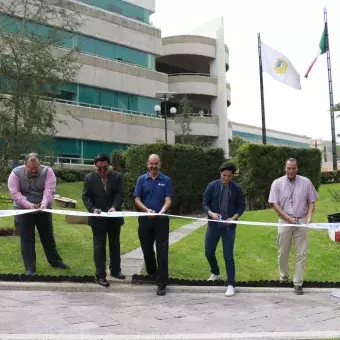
point(103, 191)
point(223, 200)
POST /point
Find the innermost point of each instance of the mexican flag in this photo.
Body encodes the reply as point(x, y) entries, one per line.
point(322, 49)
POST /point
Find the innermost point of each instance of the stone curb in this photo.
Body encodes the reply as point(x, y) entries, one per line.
point(118, 286)
point(212, 336)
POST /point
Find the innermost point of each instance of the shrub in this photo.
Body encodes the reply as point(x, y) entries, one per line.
point(330, 177)
point(190, 169)
point(118, 160)
point(70, 175)
point(260, 165)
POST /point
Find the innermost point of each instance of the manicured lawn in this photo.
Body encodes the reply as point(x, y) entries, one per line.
point(74, 242)
point(256, 250)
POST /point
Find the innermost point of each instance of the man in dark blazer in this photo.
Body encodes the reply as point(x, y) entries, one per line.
point(103, 191)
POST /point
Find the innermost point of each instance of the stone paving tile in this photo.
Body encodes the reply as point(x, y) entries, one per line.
point(86, 325)
point(146, 313)
point(133, 261)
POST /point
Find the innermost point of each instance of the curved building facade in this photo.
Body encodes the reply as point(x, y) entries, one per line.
point(196, 66)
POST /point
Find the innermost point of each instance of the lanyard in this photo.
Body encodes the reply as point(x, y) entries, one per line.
point(292, 189)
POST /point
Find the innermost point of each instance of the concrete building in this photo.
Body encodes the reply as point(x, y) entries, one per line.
point(253, 134)
point(124, 62)
point(327, 155)
point(196, 65)
point(113, 97)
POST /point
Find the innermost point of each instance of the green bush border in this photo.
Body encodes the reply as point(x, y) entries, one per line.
point(260, 165)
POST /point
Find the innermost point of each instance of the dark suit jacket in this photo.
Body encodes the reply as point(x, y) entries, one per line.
point(95, 196)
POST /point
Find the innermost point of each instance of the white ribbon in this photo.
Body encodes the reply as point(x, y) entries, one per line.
point(326, 226)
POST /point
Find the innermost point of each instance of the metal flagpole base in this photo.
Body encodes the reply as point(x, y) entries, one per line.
point(336, 293)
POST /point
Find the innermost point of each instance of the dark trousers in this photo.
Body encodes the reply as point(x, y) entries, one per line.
point(149, 231)
point(43, 222)
point(212, 237)
point(106, 228)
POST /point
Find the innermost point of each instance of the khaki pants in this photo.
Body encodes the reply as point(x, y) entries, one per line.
point(284, 242)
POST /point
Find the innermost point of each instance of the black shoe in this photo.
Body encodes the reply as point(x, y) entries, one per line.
point(103, 282)
point(61, 265)
point(298, 290)
point(119, 276)
point(30, 272)
point(152, 278)
point(161, 290)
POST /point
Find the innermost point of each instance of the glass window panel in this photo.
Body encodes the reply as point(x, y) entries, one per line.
point(123, 8)
point(92, 148)
point(66, 39)
point(106, 98)
point(87, 44)
point(105, 49)
point(65, 146)
point(122, 101)
point(146, 105)
point(133, 102)
point(88, 95)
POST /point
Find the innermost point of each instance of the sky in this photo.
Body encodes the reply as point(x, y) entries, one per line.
point(294, 28)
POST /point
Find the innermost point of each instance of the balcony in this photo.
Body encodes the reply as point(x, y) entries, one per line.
point(201, 125)
point(192, 45)
point(193, 83)
point(197, 84)
point(83, 121)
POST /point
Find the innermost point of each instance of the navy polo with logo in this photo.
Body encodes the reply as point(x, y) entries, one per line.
point(153, 191)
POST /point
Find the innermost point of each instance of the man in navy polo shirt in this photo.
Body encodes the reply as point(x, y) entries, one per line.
point(153, 193)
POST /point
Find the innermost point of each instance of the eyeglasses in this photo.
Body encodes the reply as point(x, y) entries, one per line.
point(102, 169)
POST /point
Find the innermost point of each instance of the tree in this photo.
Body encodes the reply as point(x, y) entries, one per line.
point(32, 70)
point(185, 136)
point(336, 108)
point(185, 109)
point(234, 145)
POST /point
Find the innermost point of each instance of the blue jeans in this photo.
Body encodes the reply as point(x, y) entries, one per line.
point(212, 237)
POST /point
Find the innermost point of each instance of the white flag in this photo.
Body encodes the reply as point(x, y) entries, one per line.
point(279, 67)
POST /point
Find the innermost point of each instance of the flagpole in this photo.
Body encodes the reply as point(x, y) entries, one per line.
point(330, 87)
point(263, 114)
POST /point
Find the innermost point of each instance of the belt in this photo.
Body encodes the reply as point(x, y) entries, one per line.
point(299, 218)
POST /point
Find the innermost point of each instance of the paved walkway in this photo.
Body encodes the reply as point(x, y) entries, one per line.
point(178, 315)
point(133, 262)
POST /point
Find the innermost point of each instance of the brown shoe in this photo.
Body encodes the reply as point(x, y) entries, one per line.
point(298, 290)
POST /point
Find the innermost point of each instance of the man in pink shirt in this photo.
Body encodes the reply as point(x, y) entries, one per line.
point(293, 197)
point(32, 187)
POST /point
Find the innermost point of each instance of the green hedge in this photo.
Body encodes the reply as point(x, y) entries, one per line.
point(70, 175)
point(118, 160)
point(260, 165)
point(330, 177)
point(190, 169)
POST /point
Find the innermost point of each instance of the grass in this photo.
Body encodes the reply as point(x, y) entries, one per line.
point(74, 241)
point(256, 249)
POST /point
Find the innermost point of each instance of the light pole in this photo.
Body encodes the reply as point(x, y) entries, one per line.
point(165, 96)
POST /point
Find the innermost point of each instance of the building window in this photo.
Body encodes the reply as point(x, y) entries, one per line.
point(70, 150)
point(271, 140)
point(93, 96)
point(87, 44)
point(123, 8)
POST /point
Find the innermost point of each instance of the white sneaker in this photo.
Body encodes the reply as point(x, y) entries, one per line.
point(213, 277)
point(230, 291)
